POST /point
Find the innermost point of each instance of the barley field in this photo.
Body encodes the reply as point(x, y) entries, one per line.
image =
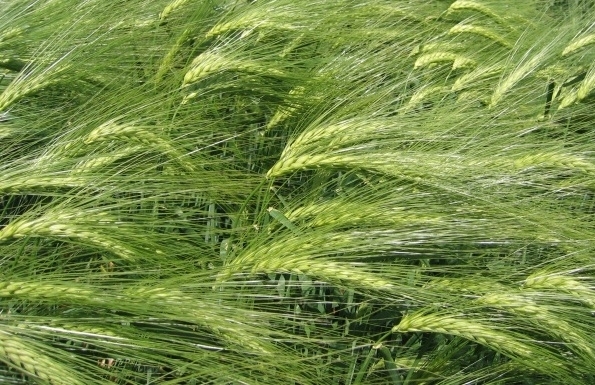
point(333, 192)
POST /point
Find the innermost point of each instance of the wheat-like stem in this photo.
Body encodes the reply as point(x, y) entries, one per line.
point(336, 131)
point(21, 87)
point(10, 33)
point(340, 213)
point(284, 112)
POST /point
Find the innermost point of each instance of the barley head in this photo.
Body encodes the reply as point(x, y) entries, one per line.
point(461, 5)
point(170, 8)
point(579, 44)
point(32, 361)
point(471, 330)
point(587, 85)
point(563, 283)
point(479, 31)
point(530, 310)
point(515, 76)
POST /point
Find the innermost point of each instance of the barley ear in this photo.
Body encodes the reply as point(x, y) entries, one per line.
point(31, 361)
point(515, 76)
point(434, 57)
point(167, 62)
point(568, 99)
point(418, 97)
point(170, 8)
point(471, 330)
point(563, 283)
point(463, 5)
point(529, 309)
point(587, 85)
point(479, 31)
point(579, 44)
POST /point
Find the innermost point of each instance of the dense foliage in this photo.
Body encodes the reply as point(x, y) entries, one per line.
point(297, 192)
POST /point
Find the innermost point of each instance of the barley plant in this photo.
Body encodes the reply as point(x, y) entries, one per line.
point(335, 192)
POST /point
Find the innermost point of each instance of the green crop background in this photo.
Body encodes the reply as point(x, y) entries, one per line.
point(332, 192)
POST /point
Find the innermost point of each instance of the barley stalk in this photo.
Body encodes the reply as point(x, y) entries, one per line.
point(284, 112)
point(112, 130)
point(462, 62)
point(7, 131)
point(252, 20)
point(160, 294)
point(280, 115)
point(19, 88)
point(221, 325)
point(31, 361)
point(30, 81)
point(579, 44)
point(294, 163)
point(337, 131)
point(67, 230)
point(437, 47)
point(340, 212)
point(458, 61)
point(401, 165)
point(78, 330)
